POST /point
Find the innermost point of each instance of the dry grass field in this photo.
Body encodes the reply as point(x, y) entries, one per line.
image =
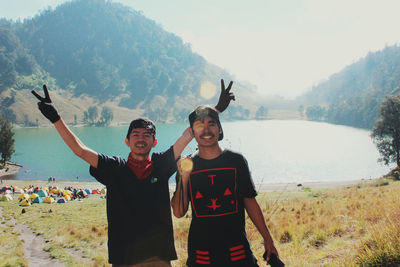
point(349, 226)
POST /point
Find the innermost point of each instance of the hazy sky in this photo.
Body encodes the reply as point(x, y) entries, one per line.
point(281, 46)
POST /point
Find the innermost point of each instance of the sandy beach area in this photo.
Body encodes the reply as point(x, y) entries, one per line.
point(270, 187)
point(260, 187)
point(12, 168)
point(60, 184)
point(264, 187)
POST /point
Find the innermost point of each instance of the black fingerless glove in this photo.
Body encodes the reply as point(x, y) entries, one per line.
point(225, 97)
point(49, 111)
point(45, 105)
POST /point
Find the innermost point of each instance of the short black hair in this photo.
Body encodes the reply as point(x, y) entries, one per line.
point(203, 111)
point(142, 123)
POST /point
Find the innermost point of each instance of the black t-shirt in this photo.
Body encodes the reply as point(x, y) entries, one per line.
point(216, 190)
point(138, 211)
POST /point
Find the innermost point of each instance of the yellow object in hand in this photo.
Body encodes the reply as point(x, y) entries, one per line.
point(186, 164)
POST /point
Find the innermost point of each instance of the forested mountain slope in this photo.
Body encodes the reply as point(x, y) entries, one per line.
point(353, 96)
point(112, 55)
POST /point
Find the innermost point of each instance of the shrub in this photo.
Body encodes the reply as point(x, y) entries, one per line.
point(318, 239)
point(286, 237)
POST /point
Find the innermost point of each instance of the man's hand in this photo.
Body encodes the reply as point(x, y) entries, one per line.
point(45, 105)
point(225, 97)
point(269, 249)
point(185, 166)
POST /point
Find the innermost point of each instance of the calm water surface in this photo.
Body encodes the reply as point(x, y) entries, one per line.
point(277, 151)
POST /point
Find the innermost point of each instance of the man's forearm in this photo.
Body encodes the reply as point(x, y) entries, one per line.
point(257, 217)
point(75, 144)
point(179, 201)
point(182, 142)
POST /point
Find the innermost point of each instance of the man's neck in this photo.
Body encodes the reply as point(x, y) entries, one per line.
point(210, 152)
point(139, 157)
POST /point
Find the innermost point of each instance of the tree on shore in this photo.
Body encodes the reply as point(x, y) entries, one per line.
point(6, 141)
point(386, 132)
point(106, 116)
point(90, 116)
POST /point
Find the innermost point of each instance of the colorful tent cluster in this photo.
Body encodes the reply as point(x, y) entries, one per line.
point(7, 190)
point(36, 195)
point(6, 197)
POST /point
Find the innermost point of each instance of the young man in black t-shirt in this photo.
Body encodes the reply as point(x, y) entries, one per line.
point(138, 205)
point(220, 189)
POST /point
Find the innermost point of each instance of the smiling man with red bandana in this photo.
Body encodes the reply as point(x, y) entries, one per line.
point(138, 205)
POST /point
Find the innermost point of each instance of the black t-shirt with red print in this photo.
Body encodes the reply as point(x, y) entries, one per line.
point(216, 190)
point(138, 210)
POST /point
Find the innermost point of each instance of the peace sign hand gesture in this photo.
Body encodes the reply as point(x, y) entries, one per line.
point(45, 105)
point(225, 97)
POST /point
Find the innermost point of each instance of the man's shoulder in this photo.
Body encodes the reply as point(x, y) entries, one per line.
point(160, 154)
point(109, 159)
point(234, 154)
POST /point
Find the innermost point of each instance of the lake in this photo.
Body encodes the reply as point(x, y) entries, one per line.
point(278, 151)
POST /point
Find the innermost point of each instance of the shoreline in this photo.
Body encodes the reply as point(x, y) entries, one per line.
point(59, 184)
point(13, 168)
point(260, 187)
point(291, 186)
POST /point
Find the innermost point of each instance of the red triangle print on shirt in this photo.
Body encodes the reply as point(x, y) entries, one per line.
point(227, 192)
point(199, 195)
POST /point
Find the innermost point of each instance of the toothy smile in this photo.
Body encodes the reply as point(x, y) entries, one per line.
point(207, 136)
point(140, 145)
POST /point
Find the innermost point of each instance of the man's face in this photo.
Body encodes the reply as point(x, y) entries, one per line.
point(206, 132)
point(140, 141)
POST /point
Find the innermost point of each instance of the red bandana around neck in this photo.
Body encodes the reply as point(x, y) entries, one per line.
point(142, 168)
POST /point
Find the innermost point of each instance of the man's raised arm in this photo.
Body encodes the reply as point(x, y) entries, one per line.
point(180, 201)
point(182, 142)
point(49, 111)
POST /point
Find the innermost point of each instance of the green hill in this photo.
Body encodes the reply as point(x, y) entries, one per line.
point(112, 56)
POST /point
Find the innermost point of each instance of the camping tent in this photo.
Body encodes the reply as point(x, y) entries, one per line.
point(88, 191)
point(81, 194)
point(37, 200)
point(24, 202)
point(6, 198)
point(56, 190)
point(29, 190)
point(103, 191)
point(62, 200)
point(67, 192)
point(42, 193)
point(19, 191)
point(23, 196)
point(33, 196)
point(48, 200)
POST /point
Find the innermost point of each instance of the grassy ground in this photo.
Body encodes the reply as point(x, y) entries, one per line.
point(11, 251)
point(350, 226)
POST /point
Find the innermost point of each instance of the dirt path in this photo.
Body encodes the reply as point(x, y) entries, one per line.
point(33, 245)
